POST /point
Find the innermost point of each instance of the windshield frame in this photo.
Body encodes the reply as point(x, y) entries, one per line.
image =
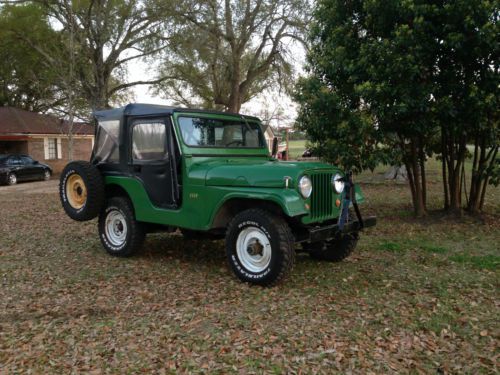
point(232, 118)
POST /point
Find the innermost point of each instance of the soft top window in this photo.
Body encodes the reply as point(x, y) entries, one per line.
point(106, 145)
point(148, 141)
point(203, 132)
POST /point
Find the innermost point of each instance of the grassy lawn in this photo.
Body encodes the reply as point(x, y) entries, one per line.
point(296, 148)
point(419, 296)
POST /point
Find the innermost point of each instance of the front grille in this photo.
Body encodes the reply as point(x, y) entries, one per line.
point(322, 197)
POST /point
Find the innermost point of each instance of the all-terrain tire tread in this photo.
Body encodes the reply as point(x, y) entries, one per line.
point(95, 191)
point(286, 241)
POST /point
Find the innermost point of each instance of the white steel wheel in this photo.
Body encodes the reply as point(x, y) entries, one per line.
point(253, 249)
point(46, 175)
point(120, 233)
point(259, 247)
point(116, 228)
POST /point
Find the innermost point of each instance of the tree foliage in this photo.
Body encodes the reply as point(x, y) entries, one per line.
point(467, 99)
point(223, 53)
point(388, 78)
point(108, 35)
point(101, 37)
point(25, 81)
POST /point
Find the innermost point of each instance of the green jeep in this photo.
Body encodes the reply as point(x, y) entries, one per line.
point(210, 174)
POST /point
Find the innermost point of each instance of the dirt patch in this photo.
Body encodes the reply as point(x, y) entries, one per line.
point(37, 187)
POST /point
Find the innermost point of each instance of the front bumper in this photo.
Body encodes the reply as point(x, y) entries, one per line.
point(329, 231)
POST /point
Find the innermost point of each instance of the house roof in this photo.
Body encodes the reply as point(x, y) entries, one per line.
point(19, 121)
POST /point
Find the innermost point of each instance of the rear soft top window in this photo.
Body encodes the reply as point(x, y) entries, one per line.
point(106, 144)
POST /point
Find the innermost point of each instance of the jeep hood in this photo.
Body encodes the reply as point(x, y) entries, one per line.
point(259, 173)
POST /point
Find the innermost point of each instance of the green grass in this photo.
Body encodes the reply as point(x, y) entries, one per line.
point(487, 262)
point(418, 295)
point(390, 246)
point(296, 148)
point(431, 248)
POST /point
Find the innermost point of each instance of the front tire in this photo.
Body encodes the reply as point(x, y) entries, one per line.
point(120, 234)
point(334, 250)
point(260, 247)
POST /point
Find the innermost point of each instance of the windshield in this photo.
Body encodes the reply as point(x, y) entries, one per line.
point(203, 132)
point(3, 159)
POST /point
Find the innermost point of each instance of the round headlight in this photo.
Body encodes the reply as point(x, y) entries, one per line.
point(305, 186)
point(338, 183)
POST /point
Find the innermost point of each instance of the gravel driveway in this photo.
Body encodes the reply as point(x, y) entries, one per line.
point(36, 187)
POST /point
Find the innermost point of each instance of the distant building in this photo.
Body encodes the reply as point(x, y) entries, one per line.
point(43, 137)
point(269, 136)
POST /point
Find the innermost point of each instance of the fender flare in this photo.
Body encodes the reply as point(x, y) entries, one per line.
point(289, 201)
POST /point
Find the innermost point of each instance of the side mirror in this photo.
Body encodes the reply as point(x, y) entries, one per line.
point(274, 151)
point(35, 162)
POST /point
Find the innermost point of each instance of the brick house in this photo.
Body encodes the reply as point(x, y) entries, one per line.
point(44, 137)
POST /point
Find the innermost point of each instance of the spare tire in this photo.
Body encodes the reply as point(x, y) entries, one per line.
point(81, 189)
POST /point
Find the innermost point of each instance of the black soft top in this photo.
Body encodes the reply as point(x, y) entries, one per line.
point(139, 109)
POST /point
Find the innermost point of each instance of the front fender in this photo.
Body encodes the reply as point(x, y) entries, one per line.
point(289, 200)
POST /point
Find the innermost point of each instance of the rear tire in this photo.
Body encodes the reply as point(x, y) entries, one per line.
point(81, 189)
point(334, 250)
point(120, 234)
point(260, 247)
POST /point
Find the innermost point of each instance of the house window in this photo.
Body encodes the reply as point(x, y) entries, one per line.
point(52, 148)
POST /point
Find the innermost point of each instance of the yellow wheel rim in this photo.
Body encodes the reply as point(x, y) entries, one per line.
point(76, 191)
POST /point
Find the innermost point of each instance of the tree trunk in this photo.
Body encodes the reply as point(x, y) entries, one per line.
point(456, 149)
point(422, 171)
point(70, 83)
point(485, 165)
point(445, 185)
point(444, 160)
point(414, 168)
point(234, 103)
point(235, 96)
point(473, 191)
point(419, 191)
